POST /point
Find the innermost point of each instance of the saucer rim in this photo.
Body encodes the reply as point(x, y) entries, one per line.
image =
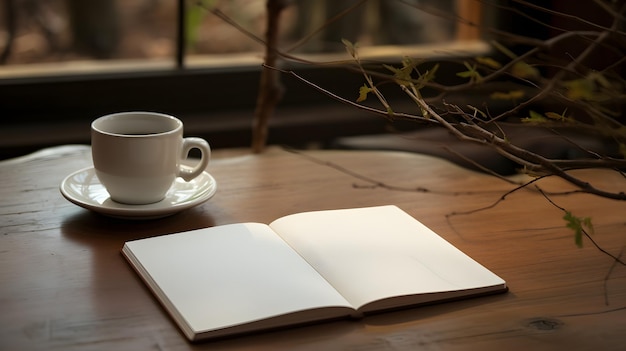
point(136, 211)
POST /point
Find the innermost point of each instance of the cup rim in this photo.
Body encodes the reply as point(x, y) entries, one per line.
point(94, 124)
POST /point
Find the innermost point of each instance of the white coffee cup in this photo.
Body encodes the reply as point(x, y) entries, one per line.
point(137, 155)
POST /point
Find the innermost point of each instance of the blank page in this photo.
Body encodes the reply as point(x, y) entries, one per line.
point(227, 275)
point(373, 253)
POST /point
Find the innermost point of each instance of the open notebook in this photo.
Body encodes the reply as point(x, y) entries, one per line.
point(302, 268)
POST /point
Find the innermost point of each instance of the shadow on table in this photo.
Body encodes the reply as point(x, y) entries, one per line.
point(90, 228)
point(112, 296)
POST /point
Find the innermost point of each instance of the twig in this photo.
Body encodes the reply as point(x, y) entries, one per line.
point(479, 166)
point(328, 22)
point(377, 183)
point(608, 275)
point(224, 17)
point(498, 201)
point(601, 4)
point(617, 259)
point(397, 115)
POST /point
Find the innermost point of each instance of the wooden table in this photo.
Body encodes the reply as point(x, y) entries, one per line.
point(65, 286)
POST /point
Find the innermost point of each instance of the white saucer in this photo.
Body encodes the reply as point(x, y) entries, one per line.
point(84, 189)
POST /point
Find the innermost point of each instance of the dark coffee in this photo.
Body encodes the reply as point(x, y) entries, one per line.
point(140, 133)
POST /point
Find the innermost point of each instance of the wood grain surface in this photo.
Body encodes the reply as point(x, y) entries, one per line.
point(65, 286)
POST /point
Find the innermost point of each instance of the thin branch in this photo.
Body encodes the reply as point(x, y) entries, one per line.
point(617, 259)
point(377, 183)
point(527, 158)
point(568, 16)
point(608, 275)
point(397, 115)
point(530, 160)
point(328, 22)
point(224, 17)
point(479, 166)
point(498, 201)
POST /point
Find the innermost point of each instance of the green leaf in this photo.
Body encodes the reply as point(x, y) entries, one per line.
point(503, 49)
point(520, 69)
point(525, 71)
point(430, 74)
point(403, 75)
point(363, 91)
point(489, 62)
point(535, 117)
point(556, 116)
point(400, 77)
point(391, 68)
point(578, 225)
point(350, 47)
point(471, 73)
point(511, 95)
point(580, 89)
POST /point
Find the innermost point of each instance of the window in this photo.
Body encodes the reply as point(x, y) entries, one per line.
point(65, 62)
point(86, 37)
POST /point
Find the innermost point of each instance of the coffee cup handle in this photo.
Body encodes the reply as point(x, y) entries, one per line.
point(188, 173)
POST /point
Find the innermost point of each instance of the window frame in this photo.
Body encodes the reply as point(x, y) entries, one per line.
point(214, 102)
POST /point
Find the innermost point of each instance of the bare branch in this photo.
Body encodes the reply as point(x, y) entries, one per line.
point(396, 115)
point(617, 259)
